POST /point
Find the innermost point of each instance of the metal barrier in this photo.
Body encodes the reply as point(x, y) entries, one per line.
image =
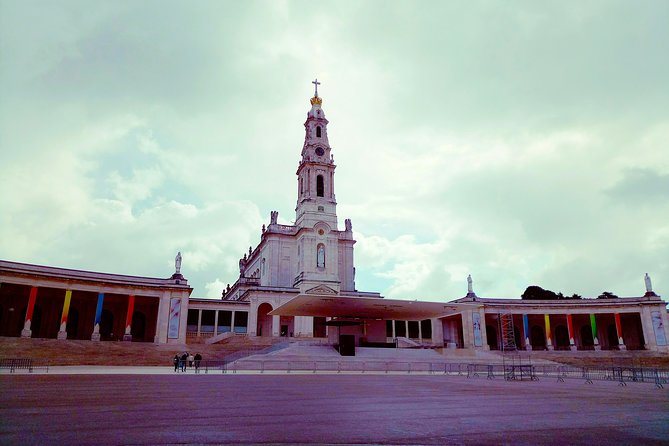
point(509, 372)
point(13, 364)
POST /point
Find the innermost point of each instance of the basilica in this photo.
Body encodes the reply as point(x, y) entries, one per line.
point(299, 282)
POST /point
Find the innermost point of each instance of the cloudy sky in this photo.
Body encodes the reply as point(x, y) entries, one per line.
point(526, 143)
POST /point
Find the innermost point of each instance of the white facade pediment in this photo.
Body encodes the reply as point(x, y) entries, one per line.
point(322, 289)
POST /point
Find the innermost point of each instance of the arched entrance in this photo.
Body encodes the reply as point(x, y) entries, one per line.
point(491, 334)
point(561, 337)
point(138, 326)
point(106, 325)
point(537, 338)
point(264, 327)
point(612, 335)
point(586, 337)
point(72, 326)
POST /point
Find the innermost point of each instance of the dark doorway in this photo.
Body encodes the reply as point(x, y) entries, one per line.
point(107, 325)
point(537, 338)
point(612, 335)
point(516, 337)
point(587, 340)
point(319, 327)
point(491, 334)
point(284, 331)
point(561, 337)
point(72, 326)
point(138, 326)
point(413, 329)
point(400, 329)
point(426, 329)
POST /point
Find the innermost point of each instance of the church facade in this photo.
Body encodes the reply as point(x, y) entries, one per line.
point(299, 281)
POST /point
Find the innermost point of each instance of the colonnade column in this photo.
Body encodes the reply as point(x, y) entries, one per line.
point(127, 336)
point(276, 325)
point(98, 317)
point(570, 328)
point(468, 333)
point(593, 326)
point(199, 322)
point(216, 322)
point(232, 321)
point(394, 335)
point(420, 332)
point(526, 333)
point(619, 332)
point(484, 329)
point(406, 328)
point(62, 332)
point(27, 332)
point(549, 342)
point(437, 332)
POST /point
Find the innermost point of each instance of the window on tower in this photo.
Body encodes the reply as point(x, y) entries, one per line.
point(318, 131)
point(320, 186)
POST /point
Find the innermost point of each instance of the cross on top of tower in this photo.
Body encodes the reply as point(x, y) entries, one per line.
point(316, 84)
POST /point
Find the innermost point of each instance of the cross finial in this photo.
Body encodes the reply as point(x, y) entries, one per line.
point(316, 84)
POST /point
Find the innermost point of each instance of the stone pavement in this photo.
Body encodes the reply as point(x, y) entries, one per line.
point(167, 408)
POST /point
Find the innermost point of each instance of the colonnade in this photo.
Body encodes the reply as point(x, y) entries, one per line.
point(397, 327)
point(236, 316)
point(550, 336)
point(44, 312)
point(594, 330)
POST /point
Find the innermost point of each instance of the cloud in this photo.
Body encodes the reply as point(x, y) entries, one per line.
point(642, 187)
point(524, 145)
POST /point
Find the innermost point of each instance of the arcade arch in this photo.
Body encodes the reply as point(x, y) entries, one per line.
point(264, 327)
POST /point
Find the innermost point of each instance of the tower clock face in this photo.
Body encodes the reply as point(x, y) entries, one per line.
point(319, 151)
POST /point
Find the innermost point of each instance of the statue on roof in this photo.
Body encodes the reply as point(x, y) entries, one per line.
point(177, 263)
point(649, 285)
point(470, 287)
point(274, 215)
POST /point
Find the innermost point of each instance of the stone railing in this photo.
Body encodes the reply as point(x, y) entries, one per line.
point(283, 229)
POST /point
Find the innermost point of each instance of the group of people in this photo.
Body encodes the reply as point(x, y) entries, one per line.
point(187, 360)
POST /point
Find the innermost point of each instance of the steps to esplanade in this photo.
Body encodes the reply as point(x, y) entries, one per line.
point(296, 352)
point(76, 352)
point(602, 358)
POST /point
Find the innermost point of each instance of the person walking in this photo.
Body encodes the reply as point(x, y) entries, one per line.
point(198, 358)
point(190, 360)
point(176, 362)
point(184, 358)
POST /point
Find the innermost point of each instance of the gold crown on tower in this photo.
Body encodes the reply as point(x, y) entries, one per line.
point(316, 100)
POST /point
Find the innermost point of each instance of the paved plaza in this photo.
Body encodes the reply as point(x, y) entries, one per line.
point(316, 409)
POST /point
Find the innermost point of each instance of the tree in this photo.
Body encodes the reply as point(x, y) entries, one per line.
point(534, 292)
point(607, 295)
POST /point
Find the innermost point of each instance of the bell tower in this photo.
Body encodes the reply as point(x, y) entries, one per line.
point(315, 174)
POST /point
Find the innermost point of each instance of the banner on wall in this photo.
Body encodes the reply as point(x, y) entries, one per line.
point(476, 317)
point(175, 316)
point(658, 328)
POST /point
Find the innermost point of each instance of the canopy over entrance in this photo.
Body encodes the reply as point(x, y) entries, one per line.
point(365, 308)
